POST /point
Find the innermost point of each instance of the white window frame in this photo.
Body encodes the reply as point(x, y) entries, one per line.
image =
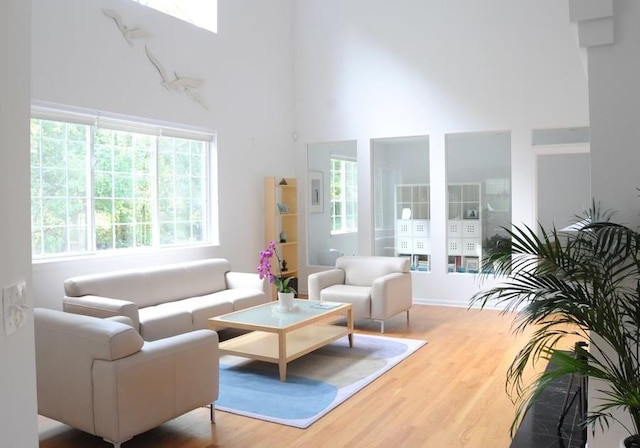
point(66, 114)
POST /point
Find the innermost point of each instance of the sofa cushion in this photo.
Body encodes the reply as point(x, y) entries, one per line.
point(363, 270)
point(243, 297)
point(358, 296)
point(203, 307)
point(164, 320)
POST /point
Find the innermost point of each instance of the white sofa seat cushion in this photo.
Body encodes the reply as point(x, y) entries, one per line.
point(204, 307)
point(243, 297)
point(164, 320)
point(358, 296)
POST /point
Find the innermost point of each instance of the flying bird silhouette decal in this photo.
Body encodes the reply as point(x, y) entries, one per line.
point(177, 83)
point(129, 34)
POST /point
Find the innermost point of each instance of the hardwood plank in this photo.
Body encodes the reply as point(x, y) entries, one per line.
point(448, 394)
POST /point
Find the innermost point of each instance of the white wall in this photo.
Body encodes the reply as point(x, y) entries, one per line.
point(564, 188)
point(80, 59)
point(614, 71)
point(18, 423)
point(376, 68)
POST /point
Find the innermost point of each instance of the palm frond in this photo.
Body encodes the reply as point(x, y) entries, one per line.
point(584, 285)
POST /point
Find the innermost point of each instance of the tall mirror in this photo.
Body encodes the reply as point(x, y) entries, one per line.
point(402, 199)
point(332, 201)
point(478, 196)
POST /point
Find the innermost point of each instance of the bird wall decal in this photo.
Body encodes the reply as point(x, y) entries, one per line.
point(177, 83)
point(128, 33)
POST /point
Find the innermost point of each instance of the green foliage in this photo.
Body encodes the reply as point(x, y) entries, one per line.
point(567, 284)
point(282, 283)
point(124, 177)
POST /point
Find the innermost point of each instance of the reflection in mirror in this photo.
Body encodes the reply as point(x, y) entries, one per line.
point(332, 201)
point(401, 199)
point(479, 196)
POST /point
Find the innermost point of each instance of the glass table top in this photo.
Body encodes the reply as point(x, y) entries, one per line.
point(272, 315)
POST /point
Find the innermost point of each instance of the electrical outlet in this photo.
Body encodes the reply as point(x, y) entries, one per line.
point(14, 299)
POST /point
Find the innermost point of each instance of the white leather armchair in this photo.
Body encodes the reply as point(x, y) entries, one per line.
point(100, 376)
point(377, 287)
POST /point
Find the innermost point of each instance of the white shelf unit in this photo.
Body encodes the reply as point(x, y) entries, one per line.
point(413, 224)
point(464, 227)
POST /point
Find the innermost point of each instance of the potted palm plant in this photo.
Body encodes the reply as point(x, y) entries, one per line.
point(585, 284)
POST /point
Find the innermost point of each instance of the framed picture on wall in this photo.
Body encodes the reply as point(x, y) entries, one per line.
point(316, 192)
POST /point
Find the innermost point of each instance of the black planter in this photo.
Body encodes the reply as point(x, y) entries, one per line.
point(632, 441)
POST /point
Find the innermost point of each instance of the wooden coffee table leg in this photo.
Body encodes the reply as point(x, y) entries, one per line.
point(282, 355)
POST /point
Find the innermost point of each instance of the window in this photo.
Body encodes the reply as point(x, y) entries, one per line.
point(201, 13)
point(115, 186)
point(344, 196)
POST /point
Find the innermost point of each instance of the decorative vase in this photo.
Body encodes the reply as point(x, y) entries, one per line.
point(285, 300)
point(283, 237)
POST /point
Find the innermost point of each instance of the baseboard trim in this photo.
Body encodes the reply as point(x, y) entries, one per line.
point(455, 304)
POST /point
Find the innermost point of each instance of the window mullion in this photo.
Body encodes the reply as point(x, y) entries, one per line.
point(90, 211)
point(343, 195)
point(155, 209)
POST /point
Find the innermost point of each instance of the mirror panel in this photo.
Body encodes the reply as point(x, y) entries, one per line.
point(402, 199)
point(332, 202)
point(478, 196)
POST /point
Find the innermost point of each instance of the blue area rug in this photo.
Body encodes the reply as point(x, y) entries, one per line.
point(316, 383)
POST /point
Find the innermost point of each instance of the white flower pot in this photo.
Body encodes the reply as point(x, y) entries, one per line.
point(285, 300)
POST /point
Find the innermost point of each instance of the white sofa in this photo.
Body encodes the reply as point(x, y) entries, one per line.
point(100, 376)
point(166, 300)
point(377, 287)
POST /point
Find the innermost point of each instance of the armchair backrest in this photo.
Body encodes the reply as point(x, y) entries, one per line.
point(66, 347)
point(364, 270)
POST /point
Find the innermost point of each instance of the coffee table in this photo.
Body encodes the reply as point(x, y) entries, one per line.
point(280, 336)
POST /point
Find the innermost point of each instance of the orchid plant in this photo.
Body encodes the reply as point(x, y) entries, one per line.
point(265, 271)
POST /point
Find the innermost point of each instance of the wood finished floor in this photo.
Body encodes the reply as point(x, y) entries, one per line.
point(449, 394)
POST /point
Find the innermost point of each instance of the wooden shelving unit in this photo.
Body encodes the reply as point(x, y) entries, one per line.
point(281, 215)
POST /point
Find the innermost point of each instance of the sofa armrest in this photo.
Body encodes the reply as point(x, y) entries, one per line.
point(165, 379)
point(102, 307)
point(391, 294)
point(123, 320)
point(321, 280)
point(245, 280)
